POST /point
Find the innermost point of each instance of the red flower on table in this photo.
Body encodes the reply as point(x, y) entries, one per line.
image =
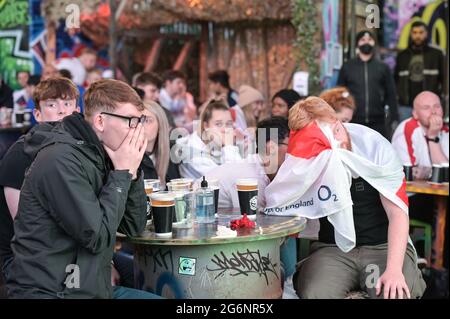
point(244, 222)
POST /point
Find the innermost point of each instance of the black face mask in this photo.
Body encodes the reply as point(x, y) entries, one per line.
point(366, 48)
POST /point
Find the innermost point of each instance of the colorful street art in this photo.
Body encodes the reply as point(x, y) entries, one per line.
point(38, 36)
point(433, 14)
point(400, 14)
point(69, 43)
point(14, 47)
point(331, 55)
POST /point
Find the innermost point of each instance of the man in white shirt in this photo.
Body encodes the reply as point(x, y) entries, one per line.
point(272, 136)
point(79, 66)
point(422, 140)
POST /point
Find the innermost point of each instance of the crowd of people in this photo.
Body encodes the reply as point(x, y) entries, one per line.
point(76, 178)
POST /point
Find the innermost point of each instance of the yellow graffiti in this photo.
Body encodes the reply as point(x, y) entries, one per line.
point(438, 29)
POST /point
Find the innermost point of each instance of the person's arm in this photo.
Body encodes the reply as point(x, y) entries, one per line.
point(391, 94)
point(12, 196)
point(437, 155)
point(392, 280)
point(89, 218)
point(135, 216)
point(198, 165)
point(400, 145)
point(230, 153)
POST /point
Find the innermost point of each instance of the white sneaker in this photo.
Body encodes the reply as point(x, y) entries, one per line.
point(289, 291)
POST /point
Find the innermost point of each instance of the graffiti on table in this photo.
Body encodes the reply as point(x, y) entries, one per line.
point(161, 260)
point(243, 264)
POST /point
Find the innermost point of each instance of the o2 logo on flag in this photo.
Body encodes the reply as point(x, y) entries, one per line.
point(254, 202)
point(324, 193)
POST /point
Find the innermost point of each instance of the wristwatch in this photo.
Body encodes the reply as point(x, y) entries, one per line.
point(434, 140)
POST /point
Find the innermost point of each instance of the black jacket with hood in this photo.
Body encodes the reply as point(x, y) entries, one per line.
point(71, 205)
point(433, 78)
point(372, 85)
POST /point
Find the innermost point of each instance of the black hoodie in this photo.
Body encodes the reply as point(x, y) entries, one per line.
point(71, 206)
point(372, 85)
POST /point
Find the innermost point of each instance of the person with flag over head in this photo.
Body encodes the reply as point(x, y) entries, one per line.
point(349, 177)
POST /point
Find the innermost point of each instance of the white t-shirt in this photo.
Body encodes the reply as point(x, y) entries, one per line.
point(412, 147)
point(228, 173)
point(251, 167)
point(197, 160)
point(75, 67)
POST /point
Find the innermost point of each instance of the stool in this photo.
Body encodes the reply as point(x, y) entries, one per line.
point(303, 246)
point(415, 225)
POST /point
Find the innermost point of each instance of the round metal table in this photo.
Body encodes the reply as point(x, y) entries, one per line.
point(195, 263)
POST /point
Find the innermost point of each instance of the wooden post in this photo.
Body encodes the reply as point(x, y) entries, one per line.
point(112, 37)
point(50, 54)
point(232, 47)
point(203, 81)
point(183, 56)
point(153, 55)
point(266, 64)
point(248, 57)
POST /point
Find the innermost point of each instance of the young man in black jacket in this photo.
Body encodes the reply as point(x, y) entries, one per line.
point(371, 83)
point(83, 186)
point(419, 68)
point(55, 98)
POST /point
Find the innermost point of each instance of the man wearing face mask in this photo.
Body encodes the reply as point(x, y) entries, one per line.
point(372, 85)
point(418, 68)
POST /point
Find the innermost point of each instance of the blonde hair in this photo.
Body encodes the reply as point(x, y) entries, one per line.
point(250, 118)
point(162, 143)
point(308, 110)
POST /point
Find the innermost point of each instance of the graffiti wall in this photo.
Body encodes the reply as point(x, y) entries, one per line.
point(400, 14)
point(331, 55)
point(37, 36)
point(14, 34)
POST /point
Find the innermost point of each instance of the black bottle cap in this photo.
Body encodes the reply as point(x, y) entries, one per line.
point(204, 183)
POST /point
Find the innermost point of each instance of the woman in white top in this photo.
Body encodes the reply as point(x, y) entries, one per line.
point(211, 145)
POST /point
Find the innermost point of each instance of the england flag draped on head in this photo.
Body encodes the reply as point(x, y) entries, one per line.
point(315, 179)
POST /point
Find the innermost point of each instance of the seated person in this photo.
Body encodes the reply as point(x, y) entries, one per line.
point(422, 140)
point(262, 166)
point(83, 187)
point(150, 83)
point(211, 146)
point(157, 163)
point(283, 100)
point(54, 98)
point(219, 86)
point(174, 97)
point(349, 178)
point(340, 99)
